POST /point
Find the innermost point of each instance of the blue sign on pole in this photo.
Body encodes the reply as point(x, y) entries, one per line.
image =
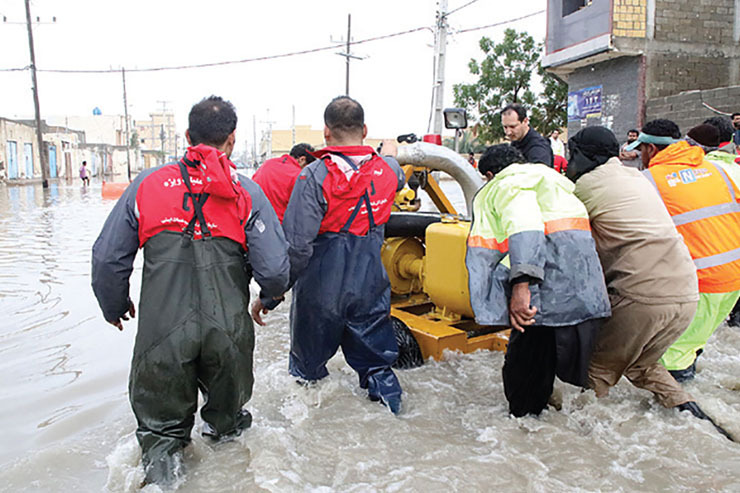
point(584, 103)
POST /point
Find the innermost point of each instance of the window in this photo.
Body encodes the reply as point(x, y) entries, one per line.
point(570, 6)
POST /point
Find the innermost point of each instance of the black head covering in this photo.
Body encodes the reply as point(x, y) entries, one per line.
point(589, 148)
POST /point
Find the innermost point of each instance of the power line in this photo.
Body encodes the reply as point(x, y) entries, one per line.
point(234, 62)
point(18, 69)
point(268, 57)
point(461, 31)
point(460, 8)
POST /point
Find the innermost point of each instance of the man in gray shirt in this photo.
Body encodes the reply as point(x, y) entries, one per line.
point(633, 159)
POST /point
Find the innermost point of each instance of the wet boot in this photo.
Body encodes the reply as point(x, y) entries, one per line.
point(164, 471)
point(393, 403)
point(735, 316)
point(694, 409)
point(243, 422)
point(686, 374)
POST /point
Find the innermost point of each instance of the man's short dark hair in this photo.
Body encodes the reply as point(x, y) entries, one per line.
point(521, 111)
point(633, 131)
point(84, 162)
point(302, 150)
point(344, 116)
point(211, 121)
point(724, 125)
point(498, 157)
point(662, 128)
point(734, 115)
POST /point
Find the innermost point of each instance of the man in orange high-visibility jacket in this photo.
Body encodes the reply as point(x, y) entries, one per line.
point(703, 203)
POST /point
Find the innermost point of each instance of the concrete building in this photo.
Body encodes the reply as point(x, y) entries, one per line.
point(68, 141)
point(19, 155)
point(64, 152)
point(158, 137)
point(628, 61)
point(102, 144)
point(279, 142)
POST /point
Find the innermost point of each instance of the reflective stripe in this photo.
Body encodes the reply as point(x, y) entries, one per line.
point(567, 223)
point(554, 226)
point(705, 213)
point(719, 259)
point(727, 180)
point(650, 177)
point(489, 243)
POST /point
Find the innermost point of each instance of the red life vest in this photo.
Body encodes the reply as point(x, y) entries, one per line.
point(164, 203)
point(277, 177)
point(351, 192)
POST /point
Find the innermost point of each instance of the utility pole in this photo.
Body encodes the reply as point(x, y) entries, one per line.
point(269, 135)
point(168, 123)
point(39, 134)
point(125, 115)
point(349, 31)
point(254, 140)
point(347, 54)
point(440, 48)
point(293, 128)
point(162, 137)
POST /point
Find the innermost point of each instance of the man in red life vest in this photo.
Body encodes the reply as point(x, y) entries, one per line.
point(335, 224)
point(195, 220)
point(277, 176)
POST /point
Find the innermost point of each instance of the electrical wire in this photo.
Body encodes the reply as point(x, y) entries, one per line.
point(496, 24)
point(17, 69)
point(266, 57)
point(460, 8)
point(234, 62)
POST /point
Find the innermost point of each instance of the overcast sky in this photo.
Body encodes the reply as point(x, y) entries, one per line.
point(393, 83)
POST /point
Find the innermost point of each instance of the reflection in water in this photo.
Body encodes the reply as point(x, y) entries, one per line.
point(67, 423)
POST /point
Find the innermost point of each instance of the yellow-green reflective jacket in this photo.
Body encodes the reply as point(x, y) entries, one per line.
point(529, 212)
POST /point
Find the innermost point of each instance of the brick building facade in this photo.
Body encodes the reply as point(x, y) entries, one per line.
point(624, 57)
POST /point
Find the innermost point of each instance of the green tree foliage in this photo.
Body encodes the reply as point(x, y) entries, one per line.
point(505, 76)
point(134, 142)
point(551, 111)
point(467, 142)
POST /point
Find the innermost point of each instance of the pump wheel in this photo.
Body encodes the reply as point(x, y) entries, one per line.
point(409, 353)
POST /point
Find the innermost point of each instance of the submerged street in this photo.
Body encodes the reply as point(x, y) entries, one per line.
point(68, 425)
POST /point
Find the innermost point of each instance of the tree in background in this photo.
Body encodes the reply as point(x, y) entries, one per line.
point(505, 76)
point(551, 112)
point(467, 142)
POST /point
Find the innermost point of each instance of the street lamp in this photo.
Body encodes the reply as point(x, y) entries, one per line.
point(456, 118)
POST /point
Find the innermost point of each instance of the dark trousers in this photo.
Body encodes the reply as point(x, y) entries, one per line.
point(195, 333)
point(536, 356)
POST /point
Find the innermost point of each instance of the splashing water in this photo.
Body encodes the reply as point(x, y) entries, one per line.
point(67, 424)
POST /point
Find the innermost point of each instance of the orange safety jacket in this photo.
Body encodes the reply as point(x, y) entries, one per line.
point(703, 203)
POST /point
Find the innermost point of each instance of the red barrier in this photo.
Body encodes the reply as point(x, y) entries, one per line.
point(113, 190)
point(433, 139)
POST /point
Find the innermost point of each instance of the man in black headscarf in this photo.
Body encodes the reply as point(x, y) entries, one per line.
point(649, 273)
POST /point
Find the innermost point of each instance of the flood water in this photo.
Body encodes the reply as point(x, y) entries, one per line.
point(67, 425)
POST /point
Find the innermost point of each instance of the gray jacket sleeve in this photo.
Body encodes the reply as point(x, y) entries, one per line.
point(303, 217)
point(268, 250)
point(113, 255)
point(393, 163)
